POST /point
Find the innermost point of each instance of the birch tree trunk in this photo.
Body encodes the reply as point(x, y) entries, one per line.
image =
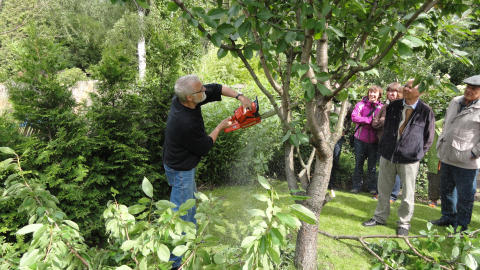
point(142, 62)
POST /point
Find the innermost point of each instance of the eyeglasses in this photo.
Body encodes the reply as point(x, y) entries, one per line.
point(199, 91)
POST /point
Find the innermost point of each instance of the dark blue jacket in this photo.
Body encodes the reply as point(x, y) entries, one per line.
point(416, 138)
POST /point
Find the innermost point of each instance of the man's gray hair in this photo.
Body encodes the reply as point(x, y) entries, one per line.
point(184, 86)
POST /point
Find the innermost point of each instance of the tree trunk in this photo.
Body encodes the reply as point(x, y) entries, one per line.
point(142, 62)
point(306, 246)
point(289, 166)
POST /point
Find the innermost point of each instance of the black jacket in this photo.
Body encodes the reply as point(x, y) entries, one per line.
point(185, 138)
point(416, 138)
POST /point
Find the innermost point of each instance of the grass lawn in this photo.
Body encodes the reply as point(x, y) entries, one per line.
point(341, 216)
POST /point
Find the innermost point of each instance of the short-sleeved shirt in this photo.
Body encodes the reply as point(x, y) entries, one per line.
point(185, 138)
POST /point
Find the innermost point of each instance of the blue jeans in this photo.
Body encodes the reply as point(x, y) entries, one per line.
point(364, 151)
point(183, 188)
point(396, 189)
point(457, 206)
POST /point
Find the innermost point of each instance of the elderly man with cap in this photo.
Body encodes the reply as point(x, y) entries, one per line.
point(458, 149)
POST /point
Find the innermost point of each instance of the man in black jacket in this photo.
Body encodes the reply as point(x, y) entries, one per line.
point(185, 138)
point(408, 134)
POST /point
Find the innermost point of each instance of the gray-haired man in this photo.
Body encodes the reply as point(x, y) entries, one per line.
point(458, 148)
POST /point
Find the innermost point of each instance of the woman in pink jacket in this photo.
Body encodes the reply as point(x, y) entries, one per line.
point(366, 142)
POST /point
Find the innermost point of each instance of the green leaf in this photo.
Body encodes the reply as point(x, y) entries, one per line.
point(294, 140)
point(455, 252)
point(276, 236)
point(324, 90)
point(238, 22)
point(303, 138)
point(286, 136)
point(323, 77)
point(143, 4)
point(216, 39)
point(337, 31)
point(136, 209)
point(114, 191)
point(400, 27)
point(261, 197)
point(413, 42)
point(264, 15)
point(226, 29)
point(171, 6)
point(217, 13)
point(256, 213)
point(303, 213)
point(247, 51)
point(274, 254)
point(288, 220)
point(233, 11)
point(290, 37)
point(470, 262)
point(179, 250)
point(128, 245)
point(123, 267)
point(164, 204)
point(199, 195)
point(29, 229)
point(248, 241)
point(71, 224)
point(7, 150)
point(187, 205)
point(28, 259)
point(4, 164)
point(404, 51)
point(143, 264)
point(221, 53)
point(264, 182)
point(318, 35)
point(244, 28)
point(309, 90)
point(218, 258)
point(163, 253)
point(147, 187)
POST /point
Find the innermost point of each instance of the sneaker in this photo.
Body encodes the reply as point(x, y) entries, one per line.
point(372, 222)
point(402, 231)
point(354, 190)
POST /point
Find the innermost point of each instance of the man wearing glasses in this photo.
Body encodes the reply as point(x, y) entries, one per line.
point(458, 149)
point(186, 140)
point(408, 134)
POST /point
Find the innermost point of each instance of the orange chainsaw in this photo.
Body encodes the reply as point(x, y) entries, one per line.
point(243, 117)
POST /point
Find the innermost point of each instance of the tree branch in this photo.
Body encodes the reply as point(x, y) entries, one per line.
point(424, 8)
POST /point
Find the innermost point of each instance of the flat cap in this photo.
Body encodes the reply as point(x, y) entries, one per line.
point(474, 80)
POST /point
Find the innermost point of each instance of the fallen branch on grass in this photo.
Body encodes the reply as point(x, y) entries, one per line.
point(426, 258)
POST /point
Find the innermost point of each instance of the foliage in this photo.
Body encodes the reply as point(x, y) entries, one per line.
point(457, 250)
point(69, 77)
point(142, 235)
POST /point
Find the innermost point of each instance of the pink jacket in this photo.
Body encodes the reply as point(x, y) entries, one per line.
point(362, 116)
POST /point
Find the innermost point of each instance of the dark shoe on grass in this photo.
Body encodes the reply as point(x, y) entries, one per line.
point(371, 222)
point(402, 231)
point(443, 222)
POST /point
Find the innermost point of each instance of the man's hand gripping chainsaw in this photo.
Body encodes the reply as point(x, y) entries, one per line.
point(243, 117)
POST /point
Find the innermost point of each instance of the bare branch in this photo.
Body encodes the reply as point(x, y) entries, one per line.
point(425, 258)
point(374, 254)
point(276, 86)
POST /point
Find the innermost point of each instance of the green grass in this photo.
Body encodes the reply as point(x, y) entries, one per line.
point(341, 216)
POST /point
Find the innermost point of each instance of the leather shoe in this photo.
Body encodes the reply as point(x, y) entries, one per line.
point(371, 222)
point(443, 222)
point(402, 231)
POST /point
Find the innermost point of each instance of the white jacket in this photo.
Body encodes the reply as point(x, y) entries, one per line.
point(460, 136)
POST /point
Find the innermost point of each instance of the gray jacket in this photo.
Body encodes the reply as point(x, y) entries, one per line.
point(460, 136)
